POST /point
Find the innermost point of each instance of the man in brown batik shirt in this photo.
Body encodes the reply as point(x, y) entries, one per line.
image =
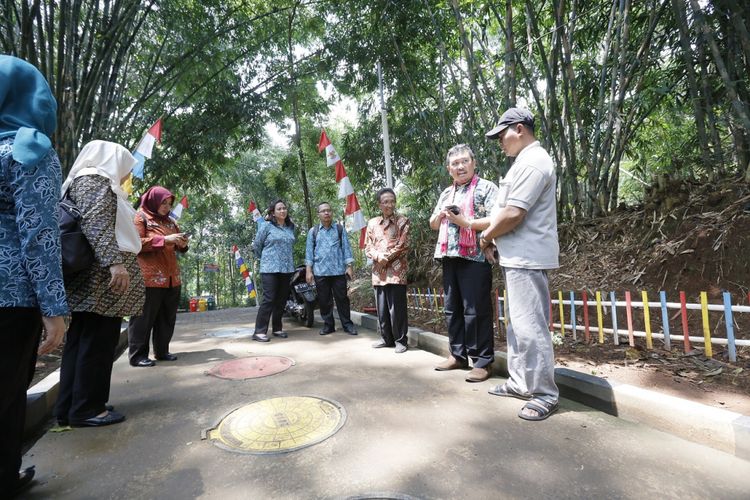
point(387, 243)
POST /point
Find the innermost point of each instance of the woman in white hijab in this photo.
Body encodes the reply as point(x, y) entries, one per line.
point(100, 296)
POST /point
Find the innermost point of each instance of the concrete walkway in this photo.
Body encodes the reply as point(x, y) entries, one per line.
point(410, 432)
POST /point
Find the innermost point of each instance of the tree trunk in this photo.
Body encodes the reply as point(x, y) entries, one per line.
point(197, 276)
point(741, 109)
point(678, 7)
point(295, 117)
point(470, 65)
point(510, 60)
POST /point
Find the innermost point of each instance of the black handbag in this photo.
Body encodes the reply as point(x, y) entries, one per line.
point(77, 253)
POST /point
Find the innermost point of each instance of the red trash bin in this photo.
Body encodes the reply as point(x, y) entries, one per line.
point(193, 305)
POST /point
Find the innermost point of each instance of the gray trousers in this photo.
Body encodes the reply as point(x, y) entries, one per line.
point(531, 359)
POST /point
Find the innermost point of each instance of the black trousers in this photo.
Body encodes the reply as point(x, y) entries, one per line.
point(332, 288)
point(86, 369)
point(275, 294)
point(468, 309)
point(20, 330)
point(392, 314)
point(159, 315)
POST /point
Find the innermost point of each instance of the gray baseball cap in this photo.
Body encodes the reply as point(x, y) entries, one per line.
point(511, 117)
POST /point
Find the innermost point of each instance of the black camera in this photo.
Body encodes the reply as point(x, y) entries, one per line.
point(453, 209)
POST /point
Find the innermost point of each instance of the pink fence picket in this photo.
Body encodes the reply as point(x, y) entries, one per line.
point(629, 314)
point(685, 334)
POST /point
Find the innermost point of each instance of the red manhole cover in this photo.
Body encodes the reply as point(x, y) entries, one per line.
point(255, 367)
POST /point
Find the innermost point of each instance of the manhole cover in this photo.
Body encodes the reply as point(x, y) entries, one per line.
point(255, 367)
point(278, 425)
point(230, 332)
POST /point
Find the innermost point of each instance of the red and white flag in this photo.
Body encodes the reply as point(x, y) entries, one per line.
point(177, 210)
point(146, 146)
point(355, 219)
point(253, 209)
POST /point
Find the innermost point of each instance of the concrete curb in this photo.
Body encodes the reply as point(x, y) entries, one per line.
point(41, 398)
point(723, 430)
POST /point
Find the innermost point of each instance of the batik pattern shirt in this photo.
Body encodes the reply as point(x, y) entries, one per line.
point(388, 238)
point(274, 246)
point(329, 256)
point(158, 259)
point(30, 262)
point(485, 197)
point(89, 290)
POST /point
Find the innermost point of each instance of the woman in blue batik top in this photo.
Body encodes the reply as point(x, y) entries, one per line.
point(32, 292)
point(273, 246)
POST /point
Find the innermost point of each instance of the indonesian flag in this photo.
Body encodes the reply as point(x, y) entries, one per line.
point(146, 147)
point(355, 219)
point(247, 276)
point(177, 211)
point(253, 209)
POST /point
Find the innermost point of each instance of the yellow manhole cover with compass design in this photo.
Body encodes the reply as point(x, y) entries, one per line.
point(278, 425)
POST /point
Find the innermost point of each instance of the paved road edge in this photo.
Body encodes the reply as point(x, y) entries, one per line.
point(724, 430)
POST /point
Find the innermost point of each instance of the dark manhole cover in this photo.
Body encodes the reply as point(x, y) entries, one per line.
point(254, 367)
point(278, 425)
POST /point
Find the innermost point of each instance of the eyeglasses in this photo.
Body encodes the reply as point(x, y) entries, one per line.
point(460, 161)
point(325, 211)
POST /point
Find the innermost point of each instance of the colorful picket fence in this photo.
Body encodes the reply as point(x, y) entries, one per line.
point(432, 300)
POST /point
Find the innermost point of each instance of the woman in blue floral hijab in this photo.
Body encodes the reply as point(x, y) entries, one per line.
point(33, 293)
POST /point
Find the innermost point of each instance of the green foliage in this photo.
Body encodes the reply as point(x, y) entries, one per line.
point(659, 89)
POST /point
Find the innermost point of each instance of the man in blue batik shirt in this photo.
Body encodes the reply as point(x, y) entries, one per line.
point(328, 258)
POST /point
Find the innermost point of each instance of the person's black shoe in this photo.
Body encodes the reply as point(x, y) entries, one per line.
point(323, 331)
point(260, 337)
point(168, 357)
point(63, 422)
point(112, 417)
point(23, 482)
point(351, 331)
point(143, 363)
point(281, 334)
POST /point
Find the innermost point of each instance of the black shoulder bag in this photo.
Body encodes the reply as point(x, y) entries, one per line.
point(77, 253)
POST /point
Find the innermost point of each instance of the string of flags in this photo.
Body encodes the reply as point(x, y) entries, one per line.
point(354, 218)
point(176, 212)
point(246, 274)
point(142, 151)
point(145, 147)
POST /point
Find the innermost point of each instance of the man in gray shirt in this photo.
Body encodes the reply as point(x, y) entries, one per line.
point(524, 228)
